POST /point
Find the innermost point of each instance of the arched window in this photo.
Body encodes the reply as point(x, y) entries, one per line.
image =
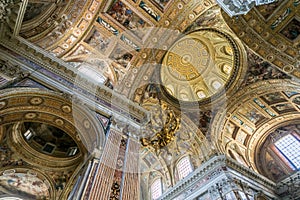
point(156, 189)
point(184, 167)
point(289, 147)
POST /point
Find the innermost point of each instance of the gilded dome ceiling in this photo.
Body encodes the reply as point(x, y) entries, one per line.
point(201, 65)
point(228, 75)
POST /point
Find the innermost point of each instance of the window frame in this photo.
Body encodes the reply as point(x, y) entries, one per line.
point(282, 155)
point(177, 167)
point(161, 187)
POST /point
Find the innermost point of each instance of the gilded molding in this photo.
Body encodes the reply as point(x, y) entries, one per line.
point(270, 37)
point(101, 94)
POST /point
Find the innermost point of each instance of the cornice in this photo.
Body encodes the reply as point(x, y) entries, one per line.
point(213, 169)
point(41, 61)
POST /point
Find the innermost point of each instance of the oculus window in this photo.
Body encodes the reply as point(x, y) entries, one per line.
point(289, 147)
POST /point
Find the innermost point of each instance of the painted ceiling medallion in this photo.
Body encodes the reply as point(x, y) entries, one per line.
point(200, 65)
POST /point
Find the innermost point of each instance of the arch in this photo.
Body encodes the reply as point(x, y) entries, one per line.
point(232, 125)
point(183, 167)
point(156, 189)
point(58, 110)
point(26, 182)
point(271, 162)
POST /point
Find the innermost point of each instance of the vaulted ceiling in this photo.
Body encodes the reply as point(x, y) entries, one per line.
point(231, 81)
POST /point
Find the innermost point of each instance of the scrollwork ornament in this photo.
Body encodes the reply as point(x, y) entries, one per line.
point(163, 131)
point(5, 9)
point(9, 69)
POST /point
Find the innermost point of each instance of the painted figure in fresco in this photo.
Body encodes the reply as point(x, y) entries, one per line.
point(292, 30)
point(275, 170)
point(125, 16)
point(121, 56)
point(274, 97)
point(204, 120)
point(124, 59)
point(253, 116)
point(261, 70)
point(35, 9)
point(98, 41)
point(268, 9)
point(24, 184)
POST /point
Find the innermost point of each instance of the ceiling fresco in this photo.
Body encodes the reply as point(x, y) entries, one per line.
point(27, 185)
point(277, 27)
point(206, 83)
point(112, 42)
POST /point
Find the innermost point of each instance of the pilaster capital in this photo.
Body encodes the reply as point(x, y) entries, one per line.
point(125, 127)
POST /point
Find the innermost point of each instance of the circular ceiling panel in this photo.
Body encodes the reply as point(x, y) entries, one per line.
point(201, 65)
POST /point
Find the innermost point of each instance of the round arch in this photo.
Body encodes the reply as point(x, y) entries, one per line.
point(251, 114)
point(55, 109)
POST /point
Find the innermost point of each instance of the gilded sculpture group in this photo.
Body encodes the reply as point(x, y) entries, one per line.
point(166, 134)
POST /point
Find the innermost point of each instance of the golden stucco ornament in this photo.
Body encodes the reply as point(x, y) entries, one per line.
point(162, 127)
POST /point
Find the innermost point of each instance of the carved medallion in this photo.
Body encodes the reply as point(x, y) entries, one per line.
point(36, 101)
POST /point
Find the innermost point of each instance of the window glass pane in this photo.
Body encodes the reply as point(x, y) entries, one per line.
point(156, 189)
point(289, 146)
point(230, 196)
point(243, 195)
point(184, 167)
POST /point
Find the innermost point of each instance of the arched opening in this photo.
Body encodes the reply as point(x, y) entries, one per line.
point(184, 167)
point(279, 154)
point(156, 189)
